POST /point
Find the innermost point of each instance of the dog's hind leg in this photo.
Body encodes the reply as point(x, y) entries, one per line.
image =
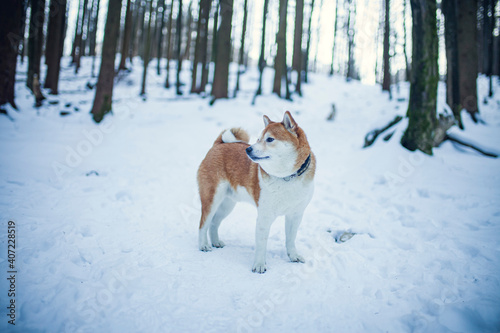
point(208, 211)
point(223, 211)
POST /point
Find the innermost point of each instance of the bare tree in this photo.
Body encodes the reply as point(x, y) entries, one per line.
point(242, 46)
point(280, 67)
point(422, 124)
point(127, 30)
point(221, 74)
point(178, 54)
point(297, 44)
point(35, 47)
point(104, 89)
point(160, 23)
point(386, 83)
point(308, 45)
point(335, 33)
point(147, 48)
point(169, 43)
point(12, 16)
point(55, 43)
point(262, 61)
point(200, 49)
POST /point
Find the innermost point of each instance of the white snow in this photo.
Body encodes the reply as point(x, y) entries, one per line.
point(107, 217)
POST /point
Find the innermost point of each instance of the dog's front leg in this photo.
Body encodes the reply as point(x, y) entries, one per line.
point(292, 223)
point(261, 235)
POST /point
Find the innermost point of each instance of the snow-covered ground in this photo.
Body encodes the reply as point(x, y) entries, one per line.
point(107, 217)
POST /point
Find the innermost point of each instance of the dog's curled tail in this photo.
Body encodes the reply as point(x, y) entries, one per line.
point(232, 135)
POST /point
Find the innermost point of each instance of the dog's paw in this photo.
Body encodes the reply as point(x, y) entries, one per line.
point(296, 258)
point(218, 244)
point(205, 248)
point(259, 268)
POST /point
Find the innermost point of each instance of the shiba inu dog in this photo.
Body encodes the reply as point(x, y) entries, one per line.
point(276, 174)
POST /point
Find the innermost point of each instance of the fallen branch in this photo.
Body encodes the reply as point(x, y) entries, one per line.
point(372, 136)
point(466, 144)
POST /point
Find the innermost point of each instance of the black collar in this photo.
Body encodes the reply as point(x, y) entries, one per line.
point(303, 168)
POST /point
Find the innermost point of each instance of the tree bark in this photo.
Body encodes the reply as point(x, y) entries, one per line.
point(297, 44)
point(55, 44)
point(126, 37)
point(280, 68)
point(35, 41)
point(334, 34)
point(221, 75)
point(93, 42)
point(104, 89)
point(189, 32)
point(407, 65)
point(161, 22)
point(309, 27)
point(147, 49)
point(467, 54)
point(386, 83)
point(242, 46)
point(424, 79)
point(169, 43)
point(449, 8)
point(262, 60)
point(178, 52)
point(12, 16)
point(79, 51)
point(350, 37)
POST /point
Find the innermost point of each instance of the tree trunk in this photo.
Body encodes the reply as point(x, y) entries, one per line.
point(386, 83)
point(467, 55)
point(242, 46)
point(161, 22)
point(214, 33)
point(449, 8)
point(147, 49)
point(407, 66)
point(280, 68)
point(262, 60)
point(424, 79)
point(350, 37)
point(169, 43)
point(221, 75)
point(204, 49)
point(309, 27)
point(334, 34)
point(12, 16)
point(178, 52)
point(55, 44)
point(75, 38)
point(489, 26)
point(126, 37)
point(35, 42)
point(93, 42)
point(79, 46)
point(189, 32)
point(104, 88)
point(297, 44)
point(200, 50)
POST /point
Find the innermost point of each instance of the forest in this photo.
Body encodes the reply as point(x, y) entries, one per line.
point(108, 107)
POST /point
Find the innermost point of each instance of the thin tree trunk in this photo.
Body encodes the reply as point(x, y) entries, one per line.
point(147, 49)
point(350, 38)
point(189, 32)
point(75, 38)
point(386, 83)
point(334, 34)
point(449, 8)
point(297, 44)
point(221, 74)
point(204, 48)
point(309, 27)
point(12, 16)
point(55, 43)
point(178, 50)
point(280, 68)
point(169, 43)
point(262, 60)
point(214, 32)
point(94, 38)
point(79, 46)
point(35, 46)
point(161, 22)
point(407, 65)
point(422, 122)
point(127, 30)
point(104, 88)
point(242, 46)
point(468, 57)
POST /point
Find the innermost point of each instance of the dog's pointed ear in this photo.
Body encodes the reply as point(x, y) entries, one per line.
point(267, 121)
point(289, 122)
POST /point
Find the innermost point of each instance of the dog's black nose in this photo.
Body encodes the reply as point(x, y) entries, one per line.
point(249, 150)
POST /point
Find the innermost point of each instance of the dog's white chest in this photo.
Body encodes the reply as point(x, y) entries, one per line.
point(281, 197)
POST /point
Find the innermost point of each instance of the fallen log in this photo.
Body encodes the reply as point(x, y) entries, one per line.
point(372, 136)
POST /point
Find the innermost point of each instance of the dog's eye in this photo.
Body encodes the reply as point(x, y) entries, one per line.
point(269, 139)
